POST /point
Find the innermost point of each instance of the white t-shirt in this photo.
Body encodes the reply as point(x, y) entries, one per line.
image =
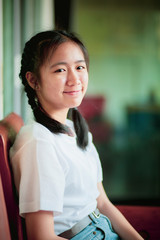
point(52, 173)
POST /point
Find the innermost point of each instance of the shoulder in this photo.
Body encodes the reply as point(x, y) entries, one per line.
point(34, 131)
point(31, 133)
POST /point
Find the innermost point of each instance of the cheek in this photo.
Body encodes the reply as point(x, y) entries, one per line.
point(55, 85)
point(85, 80)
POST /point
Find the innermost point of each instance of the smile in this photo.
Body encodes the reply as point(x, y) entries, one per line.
point(73, 92)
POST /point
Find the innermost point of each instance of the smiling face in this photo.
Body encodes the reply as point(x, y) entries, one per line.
point(63, 81)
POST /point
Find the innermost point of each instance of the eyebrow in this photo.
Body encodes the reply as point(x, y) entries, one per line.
point(65, 63)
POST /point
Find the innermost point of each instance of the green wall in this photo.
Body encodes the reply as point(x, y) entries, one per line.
point(124, 48)
point(8, 57)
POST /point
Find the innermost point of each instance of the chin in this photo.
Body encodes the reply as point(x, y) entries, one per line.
point(76, 103)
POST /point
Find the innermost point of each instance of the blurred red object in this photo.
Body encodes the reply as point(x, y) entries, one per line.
point(92, 109)
point(145, 219)
point(92, 106)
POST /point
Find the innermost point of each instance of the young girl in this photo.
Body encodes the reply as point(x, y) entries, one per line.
point(56, 168)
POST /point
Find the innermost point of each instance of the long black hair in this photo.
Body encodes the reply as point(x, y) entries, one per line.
point(35, 53)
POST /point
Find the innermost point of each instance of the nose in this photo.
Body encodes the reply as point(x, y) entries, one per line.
point(73, 78)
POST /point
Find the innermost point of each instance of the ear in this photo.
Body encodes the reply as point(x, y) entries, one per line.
point(32, 80)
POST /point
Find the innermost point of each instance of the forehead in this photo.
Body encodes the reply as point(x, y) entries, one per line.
point(65, 50)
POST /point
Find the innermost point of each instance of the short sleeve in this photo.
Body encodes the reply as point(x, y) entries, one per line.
point(42, 178)
point(99, 166)
point(96, 158)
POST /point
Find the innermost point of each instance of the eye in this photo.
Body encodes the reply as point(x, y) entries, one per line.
point(60, 70)
point(80, 67)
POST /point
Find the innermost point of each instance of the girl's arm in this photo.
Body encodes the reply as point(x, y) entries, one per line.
point(121, 226)
point(40, 226)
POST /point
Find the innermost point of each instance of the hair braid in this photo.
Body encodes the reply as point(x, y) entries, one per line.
point(81, 128)
point(26, 66)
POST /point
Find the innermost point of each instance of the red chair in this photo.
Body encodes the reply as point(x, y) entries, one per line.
point(9, 127)
point(145, 219)
point(4, 224)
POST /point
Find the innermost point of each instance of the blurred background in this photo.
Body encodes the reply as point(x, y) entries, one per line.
point(122, 105)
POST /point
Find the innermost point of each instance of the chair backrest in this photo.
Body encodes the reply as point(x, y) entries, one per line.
point(9, 127)
point(145, 219)
point(4, 224)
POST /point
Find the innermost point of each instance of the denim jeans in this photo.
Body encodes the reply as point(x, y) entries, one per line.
point(100, 228)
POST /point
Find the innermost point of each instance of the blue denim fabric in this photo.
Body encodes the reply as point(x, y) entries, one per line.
point(99, 229)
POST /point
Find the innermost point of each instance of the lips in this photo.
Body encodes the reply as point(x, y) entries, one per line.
point(73, 91)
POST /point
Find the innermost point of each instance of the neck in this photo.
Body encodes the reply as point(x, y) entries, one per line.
point(59, 115)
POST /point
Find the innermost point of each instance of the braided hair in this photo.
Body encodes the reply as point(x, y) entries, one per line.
point(35, 53)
